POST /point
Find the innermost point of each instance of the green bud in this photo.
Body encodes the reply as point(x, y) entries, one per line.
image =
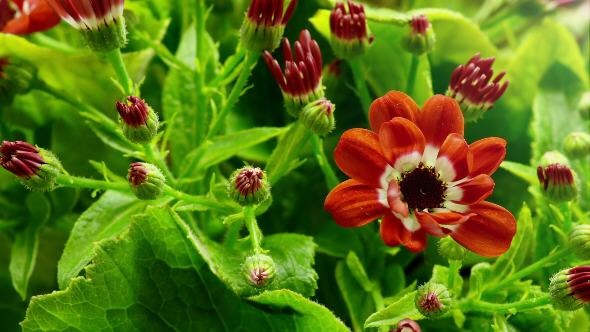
point(350, 34)
point(146, 181)
point(433, 300)
point(584, 106)
point(259, 270)
point(449, 249)
point(420, 39)
point(318, 116)
point(248, 186)
point(139, 121)
point(577, 145)
point(556, 177)
point(106, 37)
point(264, 24)
point(580, 241)
point(570, 288)
point(16, 78)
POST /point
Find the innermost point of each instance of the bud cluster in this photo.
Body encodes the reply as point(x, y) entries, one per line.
point(350, 32)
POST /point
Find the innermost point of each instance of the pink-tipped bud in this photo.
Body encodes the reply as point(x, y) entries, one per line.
point(318, 116)
point(146, 181)
point(350, 32)
point(301, 81)
point(433, 300)
point(264, 24)
point(36, 168)
point(570, 288)
point(139, 121)
point(100, 21)
point(17, 77)
point(249, 185)
point(475, 88)
point(259, 270)
point(407, 325)
point(420, 38)
point(557, 179)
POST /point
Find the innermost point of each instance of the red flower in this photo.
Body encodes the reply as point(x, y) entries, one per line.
point(89, 14)
point(22, 17)
point(415, 170)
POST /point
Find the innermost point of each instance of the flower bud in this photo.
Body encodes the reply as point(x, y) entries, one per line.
point(249, 185)
point(577, 145)
point(420, 39)
point(146, 181)
point(16, 78)
point(264, 24)
point(301, 82)
point(580, 241)
point(259, 270)
point(433, 300)
point(139, 121)
point(584, 106)
point(36, 168)
point(101, 22)
point(556, 177)
point(570, 288)
point(474, 87)
point(318, 116)
point(407, 325)
point(350, 32)
point(449, 249)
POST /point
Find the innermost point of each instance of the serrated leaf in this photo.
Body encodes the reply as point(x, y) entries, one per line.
point(105, 219)
point(156, 281)
point(393, 313)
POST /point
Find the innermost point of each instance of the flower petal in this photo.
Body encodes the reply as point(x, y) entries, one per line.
point(440, 223)
point(353, 204)
point(488, 154)
point(41, 17)
point(454, 159)
point(475, 190)
point(358, 154)
point(394, 233)
point(402, 143)
point(393, 104)
point(489, 233)
point(440, 117)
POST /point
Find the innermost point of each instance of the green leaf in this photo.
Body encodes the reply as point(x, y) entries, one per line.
point(480, 274)
point(284, 156)
point(151, 279)
point(358, 271)
point(105, 219)
point(525, 172)
point(393, 313)
point(358, 302)
point(26, 242)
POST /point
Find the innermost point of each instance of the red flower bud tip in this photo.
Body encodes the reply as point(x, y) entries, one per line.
point(433, 300)
point(419, 24)
point(20, 158)
point(350, 32)
point(407, 325)
point(137, 174)
point(270, 13)
point(249, 180)
point(570, 288)
point(26, 16)
point(249, 185)
point(134, 112)
point(301, 82)
point(146, 181)
point(557, 181)
point(334, 68)
point(473, 85)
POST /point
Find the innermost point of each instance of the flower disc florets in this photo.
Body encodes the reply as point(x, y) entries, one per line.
point(264, 24)
point(350, 32)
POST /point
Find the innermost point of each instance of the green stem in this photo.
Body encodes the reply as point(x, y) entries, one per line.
point(392, 18)
point(47, 41)
point(204, 201)
point(318, 150)
point(454, 267)
point(541, 263)
point(360, 85)
point(80, 182)
point(567, 216)
point(378, 299)
point(286, 151)
point(253, 229)
point(159, 162)
point(236, 91)
point(200, 31)
point(503, 308)
point(116, 59)
point(412, 75)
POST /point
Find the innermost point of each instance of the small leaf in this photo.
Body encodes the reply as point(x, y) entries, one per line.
point(393, 313)
point(525, 172)
point(358, 271)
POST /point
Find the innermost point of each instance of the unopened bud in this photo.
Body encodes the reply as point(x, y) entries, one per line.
point(407, 325)
point(584, 106)
point(350, 32)
point(146, 181)
point(16, 78)
point(577, 145)
point(420, 39)
point(138, 120)
point(36, 168)
point(556, 177)
point(433, 300)
point(259, 270)
point(580, 241)
point(249, 185)
point(570, 288)
point(318, 116)
point(449, 249)
point(264, 24)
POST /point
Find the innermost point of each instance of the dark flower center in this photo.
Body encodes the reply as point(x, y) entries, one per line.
point(422, 189)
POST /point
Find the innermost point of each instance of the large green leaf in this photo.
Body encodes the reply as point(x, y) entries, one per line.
point(105, 219)
point(358, 302)
point(152, 279)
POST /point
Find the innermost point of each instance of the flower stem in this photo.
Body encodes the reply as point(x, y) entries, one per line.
point(286, 151)
point(253, 229)
point(541, 263)
point(116, 59)
point(318, 150)
point(454, 267)
point(360, 84)
point(249, 62)
point(503, 308)
point(85, 183)
point(149, 150)
point(412, 75)
point(204, 201)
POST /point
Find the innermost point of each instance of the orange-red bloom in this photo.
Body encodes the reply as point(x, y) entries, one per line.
point(22, 17)
point(416, 171)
